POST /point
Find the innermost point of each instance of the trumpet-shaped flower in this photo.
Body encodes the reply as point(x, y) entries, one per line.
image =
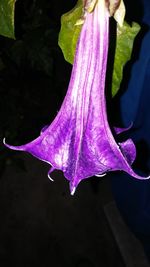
point(79, 140)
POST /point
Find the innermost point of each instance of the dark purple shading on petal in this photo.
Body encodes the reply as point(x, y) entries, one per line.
point(129, 151)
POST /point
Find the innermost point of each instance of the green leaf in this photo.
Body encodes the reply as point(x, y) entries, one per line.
point(124, 45)
point(69, 32)
point(7, 8)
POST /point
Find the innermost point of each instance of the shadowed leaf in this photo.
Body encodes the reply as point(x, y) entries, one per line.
point(7, 18)
point(124, 45)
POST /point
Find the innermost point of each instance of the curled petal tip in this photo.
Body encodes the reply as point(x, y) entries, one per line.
point(72, 190)
point(21, 148)
point(100, 175)
point(145, 178)
point(49, 174)
point(5, 144)
point(122, 130)
point(50, 178)
point(137, 176)
point(4, 141)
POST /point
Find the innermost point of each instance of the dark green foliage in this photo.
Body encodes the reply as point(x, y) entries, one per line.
point(7, 8)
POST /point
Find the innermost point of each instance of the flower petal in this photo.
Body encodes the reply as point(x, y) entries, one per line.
point(121, 130)
point(129, 151)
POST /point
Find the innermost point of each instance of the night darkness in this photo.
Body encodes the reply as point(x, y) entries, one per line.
point(40, 223)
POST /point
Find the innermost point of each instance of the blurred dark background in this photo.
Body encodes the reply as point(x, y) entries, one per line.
point(40, 224)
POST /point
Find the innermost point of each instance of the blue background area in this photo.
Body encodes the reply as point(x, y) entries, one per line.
point(133, 196)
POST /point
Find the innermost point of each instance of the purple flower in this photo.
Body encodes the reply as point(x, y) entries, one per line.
point(79, 140)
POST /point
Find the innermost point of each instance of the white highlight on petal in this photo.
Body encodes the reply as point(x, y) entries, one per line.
point(61, 158)
point(58, 159)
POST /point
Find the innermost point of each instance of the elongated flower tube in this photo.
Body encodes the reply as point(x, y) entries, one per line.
point(79, 140)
